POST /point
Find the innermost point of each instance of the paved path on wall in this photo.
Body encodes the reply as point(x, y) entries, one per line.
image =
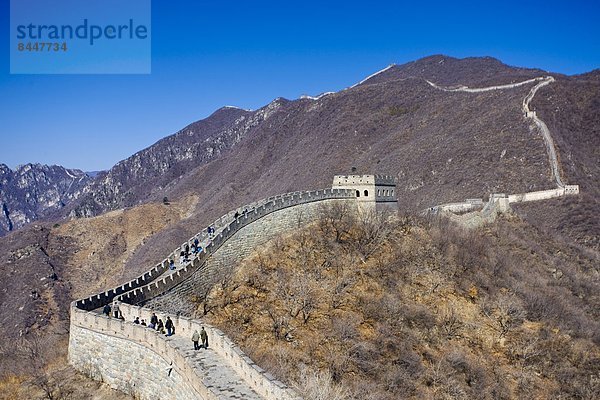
point(550, 148)
point(203, 243)
point(542, 81)
point(214, 371)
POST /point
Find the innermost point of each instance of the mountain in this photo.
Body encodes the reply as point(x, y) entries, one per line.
point(34, 191)
point(470, 71)
point(381, 111)
point(147, 172)
point(443, 146)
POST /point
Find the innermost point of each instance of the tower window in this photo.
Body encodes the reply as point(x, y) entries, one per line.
point(357, 193)
point(366, 193)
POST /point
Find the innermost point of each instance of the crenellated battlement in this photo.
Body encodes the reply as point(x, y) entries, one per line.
point(89, 328)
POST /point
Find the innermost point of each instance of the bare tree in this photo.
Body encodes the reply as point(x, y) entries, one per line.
point(319, 385)
point(451, 323)
point(336, 220)
point(504, 313)
point(35, 351)
point(371, 231)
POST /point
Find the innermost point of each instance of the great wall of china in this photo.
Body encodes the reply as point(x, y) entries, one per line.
point(475, 210)
point(145, 363)
point(138, 360)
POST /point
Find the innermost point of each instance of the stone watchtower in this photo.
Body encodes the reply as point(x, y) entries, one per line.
point(372, 191)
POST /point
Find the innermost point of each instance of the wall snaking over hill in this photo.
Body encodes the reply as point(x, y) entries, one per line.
point(92, 333)
point(246, 240)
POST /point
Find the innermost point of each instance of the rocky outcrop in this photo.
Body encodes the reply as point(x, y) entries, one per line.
point(150, 171)
point(33, 191)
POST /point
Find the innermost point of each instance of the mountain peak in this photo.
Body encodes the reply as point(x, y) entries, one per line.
point(447, 70)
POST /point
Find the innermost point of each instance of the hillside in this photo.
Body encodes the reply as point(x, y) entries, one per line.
point(43, 268)
point(418, 309)
point(35, 191)
point(571, 109)
point(442, 146)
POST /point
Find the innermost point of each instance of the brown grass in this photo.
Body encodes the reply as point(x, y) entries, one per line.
point(432, 312)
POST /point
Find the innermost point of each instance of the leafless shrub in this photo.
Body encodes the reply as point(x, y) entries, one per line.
point(417, 316)
point(345, 327)
point(370, 232)
point(319, 385)
point(398, 380)
point(451, 323)
point(336, 220)
point(280, 324)
point(340, 289)
point(365, 356)
point(504, 313)
point(300, 297)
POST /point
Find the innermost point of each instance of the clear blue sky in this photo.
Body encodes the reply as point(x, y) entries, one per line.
point(209, 54)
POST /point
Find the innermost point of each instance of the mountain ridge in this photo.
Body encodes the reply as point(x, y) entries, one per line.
point(172, 157)
point(34, 191)
point(442, 146)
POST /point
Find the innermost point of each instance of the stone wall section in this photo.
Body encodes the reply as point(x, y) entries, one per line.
point(248, 239)
point(102, 347)
point(567, 190)
point(132, 359)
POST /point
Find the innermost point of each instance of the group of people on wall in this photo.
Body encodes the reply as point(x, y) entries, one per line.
point(157, 324)
point(187, 252)
point(167, 328)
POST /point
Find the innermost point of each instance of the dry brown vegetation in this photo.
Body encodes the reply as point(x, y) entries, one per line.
point(72, 260)
point(376, 308)
point(35, 368)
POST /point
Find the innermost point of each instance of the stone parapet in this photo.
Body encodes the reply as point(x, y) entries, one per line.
point(91, 331)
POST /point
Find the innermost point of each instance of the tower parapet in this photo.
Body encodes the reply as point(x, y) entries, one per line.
point(370, 190)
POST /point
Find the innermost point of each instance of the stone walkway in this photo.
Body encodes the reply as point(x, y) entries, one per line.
point(204, 244)
point(549, 143)
point(216, 373)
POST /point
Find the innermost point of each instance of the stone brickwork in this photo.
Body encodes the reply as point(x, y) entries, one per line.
point(501, 202)
point(369, 189)
point(111, 349)
point(127, 366)
point(240, 245)
point(567, 190)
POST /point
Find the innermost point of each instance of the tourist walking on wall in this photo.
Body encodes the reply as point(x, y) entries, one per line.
point(161, 326)
point(171, 265)
point(154, 320)
point(169, 326)
point(116, 309)
point(196, 339)
point(204, 337)
point(106, 310)
point(211, 232)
